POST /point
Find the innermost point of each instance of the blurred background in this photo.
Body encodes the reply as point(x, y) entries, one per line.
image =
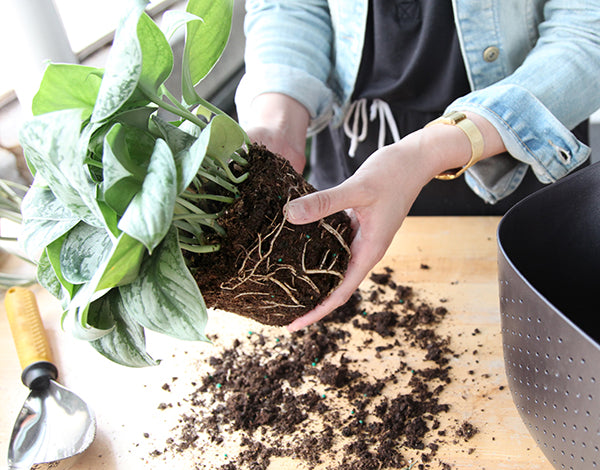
point(81, 31)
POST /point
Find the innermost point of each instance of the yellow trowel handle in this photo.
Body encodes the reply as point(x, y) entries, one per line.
point(29, 336)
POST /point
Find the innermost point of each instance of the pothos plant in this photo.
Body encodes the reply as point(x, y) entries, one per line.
point(10, 209)
point(118, 192)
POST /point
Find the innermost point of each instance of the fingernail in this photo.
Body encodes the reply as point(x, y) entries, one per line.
point(294, 211)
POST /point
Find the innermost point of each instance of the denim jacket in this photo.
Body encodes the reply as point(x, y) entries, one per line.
point(533, 67)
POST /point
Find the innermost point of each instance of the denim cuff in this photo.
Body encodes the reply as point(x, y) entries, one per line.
point(532, 135)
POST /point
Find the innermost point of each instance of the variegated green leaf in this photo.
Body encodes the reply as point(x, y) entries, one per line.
point(51, 146)
point(124, 65)
point(165, 297)
point(126, 343)
point(47, 277)
point(52, 254)
point(83, 252)
point(45, 219)
point(149, 215)
point(120, 265)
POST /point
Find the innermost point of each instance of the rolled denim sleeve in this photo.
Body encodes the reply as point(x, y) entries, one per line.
point(534, 107)
point(288, 50)
point(533, 137)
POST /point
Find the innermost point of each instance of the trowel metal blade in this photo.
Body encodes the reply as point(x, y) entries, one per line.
point(53, 426)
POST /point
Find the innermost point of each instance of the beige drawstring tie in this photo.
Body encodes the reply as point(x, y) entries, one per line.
point(357, 113)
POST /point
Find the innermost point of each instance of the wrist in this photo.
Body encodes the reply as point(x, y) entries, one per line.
point(457, 141)
point(471, 131)
point(443, 147)
point(282, 114)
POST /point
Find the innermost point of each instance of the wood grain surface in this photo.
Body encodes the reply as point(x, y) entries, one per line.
point(450, 258)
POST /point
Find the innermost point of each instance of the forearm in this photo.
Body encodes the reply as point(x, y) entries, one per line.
point(288, 50)
point(550, 64)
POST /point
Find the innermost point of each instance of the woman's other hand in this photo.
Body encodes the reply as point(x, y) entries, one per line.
point(279, 123)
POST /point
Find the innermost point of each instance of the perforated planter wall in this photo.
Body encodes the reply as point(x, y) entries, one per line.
point(549, 275)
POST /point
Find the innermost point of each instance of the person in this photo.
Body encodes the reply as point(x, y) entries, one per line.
point(368, 80)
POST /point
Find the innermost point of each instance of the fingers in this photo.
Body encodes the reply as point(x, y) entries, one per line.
point(363, 260)
point(337, 298)
point(318, 205)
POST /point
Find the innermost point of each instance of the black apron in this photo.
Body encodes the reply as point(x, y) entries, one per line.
point(412, 61)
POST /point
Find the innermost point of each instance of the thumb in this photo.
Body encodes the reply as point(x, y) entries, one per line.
point(315, 206)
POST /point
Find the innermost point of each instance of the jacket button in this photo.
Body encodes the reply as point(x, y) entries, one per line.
point(491, 54)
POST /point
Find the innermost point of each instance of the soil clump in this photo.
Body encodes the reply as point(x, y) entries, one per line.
point(268, 269)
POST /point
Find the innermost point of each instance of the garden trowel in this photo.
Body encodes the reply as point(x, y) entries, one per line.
point(54, 425)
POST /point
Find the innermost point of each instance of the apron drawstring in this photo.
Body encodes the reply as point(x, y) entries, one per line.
point(357, 113)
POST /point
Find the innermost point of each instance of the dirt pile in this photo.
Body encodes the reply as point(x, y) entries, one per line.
point(310, 397)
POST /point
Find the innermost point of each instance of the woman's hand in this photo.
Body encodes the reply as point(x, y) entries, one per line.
point(379, 196)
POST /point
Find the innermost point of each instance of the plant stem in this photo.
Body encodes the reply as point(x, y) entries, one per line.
point(186, 211)
point(9, 280)
point(213, 109)
point(92, 162)
point(218, 180)
point(200, 248)
point(176, 108)
point(211, 197)
point(236, 157)
point(13, 216)
point(234, 179)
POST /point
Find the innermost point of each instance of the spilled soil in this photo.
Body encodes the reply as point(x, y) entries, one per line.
point(308, 396)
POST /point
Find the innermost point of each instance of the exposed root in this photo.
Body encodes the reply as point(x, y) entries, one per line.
point(295, 275)
point(242, 294)
point(336, 234)
point(325, 259)
point(328, 271)
point(278, 305)
point(287, 289)
point(262, 256)
point(309, 281)
point(325, 271)
point(258, 267)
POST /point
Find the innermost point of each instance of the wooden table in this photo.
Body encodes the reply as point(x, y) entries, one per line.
point(461, 255)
